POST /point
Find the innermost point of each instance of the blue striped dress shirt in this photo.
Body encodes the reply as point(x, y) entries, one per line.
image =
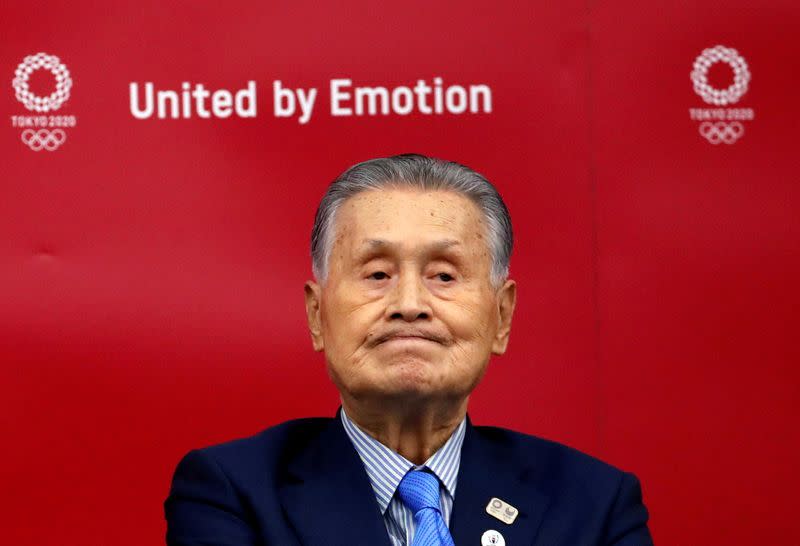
point(385, 468)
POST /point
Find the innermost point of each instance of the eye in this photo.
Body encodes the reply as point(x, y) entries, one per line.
point(445, 277)
point(378, 276)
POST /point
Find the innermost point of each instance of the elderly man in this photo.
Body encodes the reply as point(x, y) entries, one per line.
point(411, 298)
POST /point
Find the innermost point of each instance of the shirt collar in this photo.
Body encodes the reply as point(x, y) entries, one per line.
point(385, 468)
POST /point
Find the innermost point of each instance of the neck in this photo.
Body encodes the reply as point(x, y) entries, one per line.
point(414, 430)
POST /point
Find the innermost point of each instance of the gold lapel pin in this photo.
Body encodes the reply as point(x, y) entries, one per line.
point(501, 510)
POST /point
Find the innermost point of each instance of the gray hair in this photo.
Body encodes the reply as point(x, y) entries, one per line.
point(423, 173)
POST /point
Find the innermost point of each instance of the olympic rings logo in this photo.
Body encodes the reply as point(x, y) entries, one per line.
point(721, 131)
point(741, 75)
point(22, 75)
point(43, 139)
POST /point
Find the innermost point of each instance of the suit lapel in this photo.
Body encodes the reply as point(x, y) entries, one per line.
point(489, 468)
point(328, 498)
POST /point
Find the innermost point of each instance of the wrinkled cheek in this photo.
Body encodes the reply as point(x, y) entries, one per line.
point(345, 365)
point(335, 333)
point(461, 351)
point(485, 333)
point(474, 336)
point(470, 360)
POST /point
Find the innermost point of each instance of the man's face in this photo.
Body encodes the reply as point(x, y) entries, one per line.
point(408, 310)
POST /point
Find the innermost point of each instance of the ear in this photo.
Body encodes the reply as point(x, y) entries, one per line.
point(313, 298)
point(506, 301)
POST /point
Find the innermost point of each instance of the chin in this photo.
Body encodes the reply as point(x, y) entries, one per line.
point(413, 377)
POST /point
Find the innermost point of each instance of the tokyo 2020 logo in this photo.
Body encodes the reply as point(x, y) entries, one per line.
point(44, 131)
point(741, 75)
point(721, 125)
point(30, 64)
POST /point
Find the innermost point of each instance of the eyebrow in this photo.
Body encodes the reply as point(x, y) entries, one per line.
point(382, 244)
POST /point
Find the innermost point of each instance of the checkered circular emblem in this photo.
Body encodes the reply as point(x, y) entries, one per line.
point(40, 61)
point(741, 75)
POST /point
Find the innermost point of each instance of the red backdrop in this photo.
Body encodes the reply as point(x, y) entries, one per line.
point(151, 270)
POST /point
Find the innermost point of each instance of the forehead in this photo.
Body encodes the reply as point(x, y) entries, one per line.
point(409, 216)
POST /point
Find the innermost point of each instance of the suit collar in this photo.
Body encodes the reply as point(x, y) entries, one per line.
point(327, 497)
point(491, 468)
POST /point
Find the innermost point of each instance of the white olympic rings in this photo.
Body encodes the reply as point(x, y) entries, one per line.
point(43, 139)
point(721, 131)
point(22, 90)
point(741, 75)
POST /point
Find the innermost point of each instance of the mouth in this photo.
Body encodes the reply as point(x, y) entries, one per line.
point(408, 337)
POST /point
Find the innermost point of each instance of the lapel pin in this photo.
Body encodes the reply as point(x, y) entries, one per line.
point(492, 538)
point(502, 511)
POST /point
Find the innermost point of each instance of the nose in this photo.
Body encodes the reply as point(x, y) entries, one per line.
point(409, 300)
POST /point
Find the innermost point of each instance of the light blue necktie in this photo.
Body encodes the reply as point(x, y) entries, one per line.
point(419, 491)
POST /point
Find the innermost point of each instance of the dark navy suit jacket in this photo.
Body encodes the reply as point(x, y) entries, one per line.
point(302, 483)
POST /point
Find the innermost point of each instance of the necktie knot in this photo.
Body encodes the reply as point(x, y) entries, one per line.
point(419, 490)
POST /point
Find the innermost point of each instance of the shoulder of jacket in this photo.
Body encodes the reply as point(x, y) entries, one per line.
point(271, 445)
point(549, 455)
